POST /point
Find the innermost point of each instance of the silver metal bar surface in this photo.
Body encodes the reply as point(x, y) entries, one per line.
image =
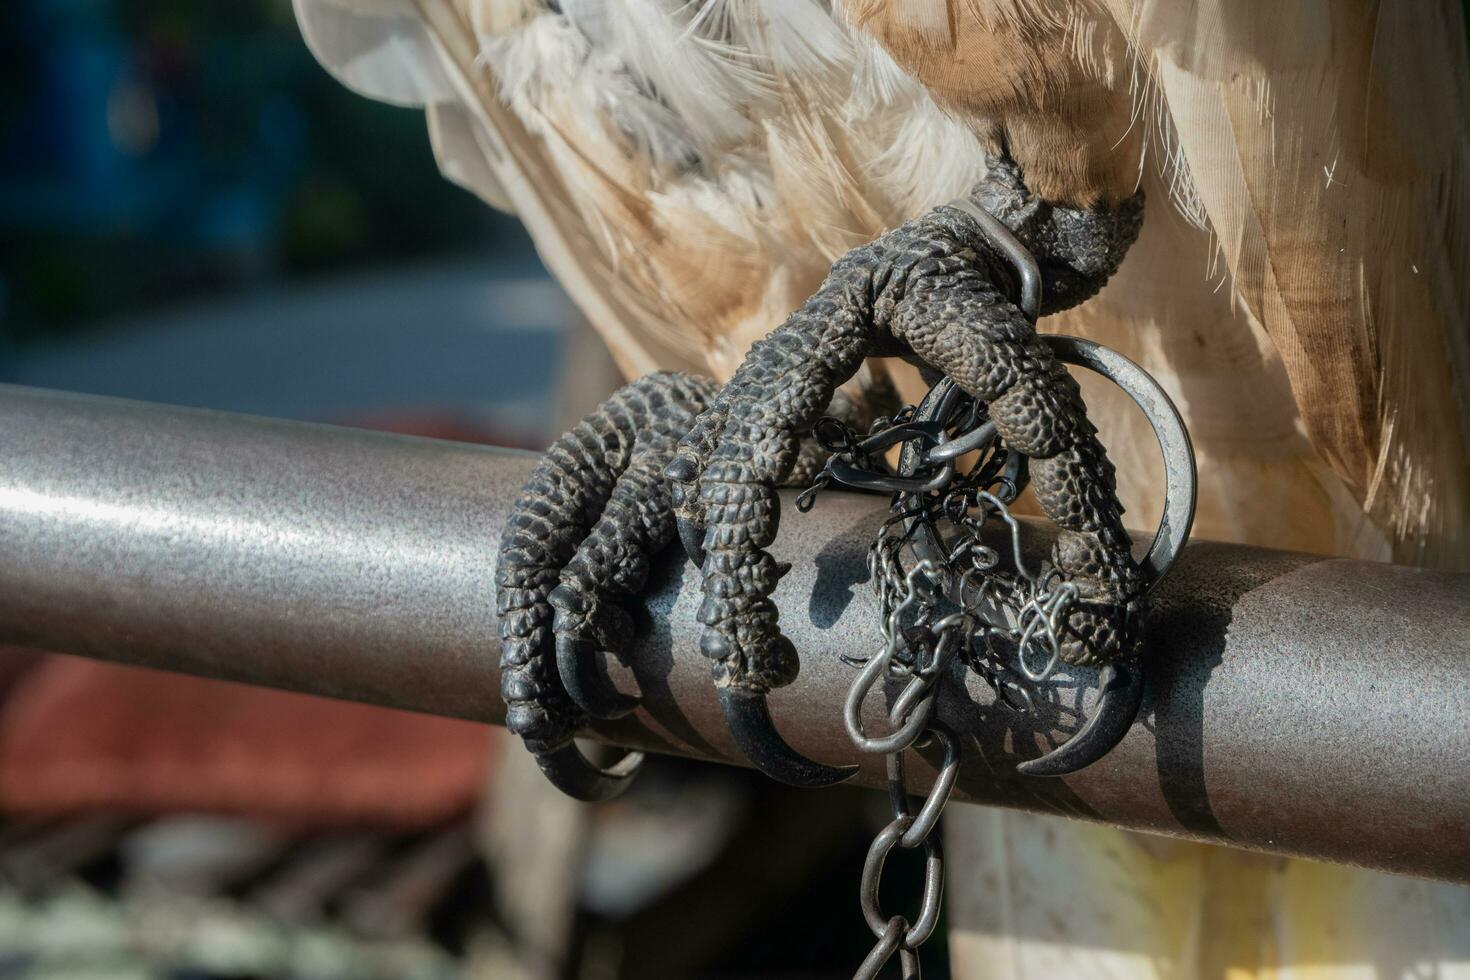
point(1298, 705)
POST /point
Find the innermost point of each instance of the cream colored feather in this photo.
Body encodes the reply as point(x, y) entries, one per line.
point(1326, 144)
point(689, 170)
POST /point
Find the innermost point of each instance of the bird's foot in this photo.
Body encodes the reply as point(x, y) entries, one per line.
point(576, 546)
point(944, 291)
point(940, 290)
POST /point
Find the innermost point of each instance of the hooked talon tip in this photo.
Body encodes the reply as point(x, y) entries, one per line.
point(570, 772)
point(749, 720)
point(576, 662)
point(1121, 695)
point(691, 536)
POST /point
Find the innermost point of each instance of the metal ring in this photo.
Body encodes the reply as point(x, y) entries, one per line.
point(1181, 479)
point(852, 711)
point(1019, 255)
point(981, 435)
point(860, 479)
point(1036, 676)
point(888, 943)
point(910, 699)
point(1180, 475)
point(878, 852)
point(928, 815)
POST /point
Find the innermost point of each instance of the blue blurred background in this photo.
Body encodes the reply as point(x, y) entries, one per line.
point(192, 211)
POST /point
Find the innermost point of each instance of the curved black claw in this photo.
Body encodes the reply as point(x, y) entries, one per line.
point(749, 720)
point(682, 471)
point(691, 536)
point(746, 714)
point(576, 662)
point(1122, 695)
point(570, 772)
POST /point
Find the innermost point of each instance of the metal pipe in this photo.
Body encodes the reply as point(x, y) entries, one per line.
point(1297, 704)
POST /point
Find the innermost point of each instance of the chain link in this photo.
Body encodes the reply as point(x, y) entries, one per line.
point(944, 597)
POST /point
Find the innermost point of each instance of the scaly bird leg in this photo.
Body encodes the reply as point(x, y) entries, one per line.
point(939, 287)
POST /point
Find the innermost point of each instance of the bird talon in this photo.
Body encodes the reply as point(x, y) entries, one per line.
point(691, 536)
point(1120, 696)
point(570, 771)
point(589, 687)
point(748, 718)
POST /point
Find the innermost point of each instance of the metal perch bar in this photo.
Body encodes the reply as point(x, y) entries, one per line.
point(1298, 705)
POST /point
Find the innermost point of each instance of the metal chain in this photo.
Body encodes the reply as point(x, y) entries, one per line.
point(947, 598)
point(944, 597)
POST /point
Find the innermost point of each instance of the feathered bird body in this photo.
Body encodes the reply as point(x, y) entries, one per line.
point(689, 170)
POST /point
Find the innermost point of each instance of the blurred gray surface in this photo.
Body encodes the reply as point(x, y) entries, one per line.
point(462, 337)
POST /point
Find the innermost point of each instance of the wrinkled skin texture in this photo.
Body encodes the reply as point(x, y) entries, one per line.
point(935, 288)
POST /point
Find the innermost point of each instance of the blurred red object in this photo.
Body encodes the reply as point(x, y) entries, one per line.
point(80, 736)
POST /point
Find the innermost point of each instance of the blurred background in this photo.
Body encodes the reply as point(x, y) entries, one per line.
point(193, 212)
